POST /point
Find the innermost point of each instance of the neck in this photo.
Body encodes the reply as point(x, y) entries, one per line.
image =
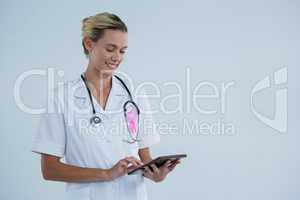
point(98, 80)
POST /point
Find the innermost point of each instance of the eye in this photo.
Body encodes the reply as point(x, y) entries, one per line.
point(122, 52)
point(110, 49)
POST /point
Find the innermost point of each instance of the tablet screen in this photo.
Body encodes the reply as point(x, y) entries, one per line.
point(159, 161)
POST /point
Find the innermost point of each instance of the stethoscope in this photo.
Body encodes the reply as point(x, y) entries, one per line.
point(130, 110)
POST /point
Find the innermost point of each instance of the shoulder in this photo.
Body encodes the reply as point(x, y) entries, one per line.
point(67, 86)
point(61, 93)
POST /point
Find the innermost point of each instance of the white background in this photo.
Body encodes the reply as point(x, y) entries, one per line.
point(220, 41)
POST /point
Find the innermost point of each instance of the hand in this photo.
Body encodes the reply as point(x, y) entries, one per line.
point(159, 174)
point(123, 167)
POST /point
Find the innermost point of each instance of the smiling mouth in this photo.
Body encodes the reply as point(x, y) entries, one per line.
point(112, 65)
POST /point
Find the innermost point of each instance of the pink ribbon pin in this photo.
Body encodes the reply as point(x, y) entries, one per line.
point(132, 122)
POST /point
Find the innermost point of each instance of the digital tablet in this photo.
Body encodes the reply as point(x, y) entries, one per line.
point(159, 161)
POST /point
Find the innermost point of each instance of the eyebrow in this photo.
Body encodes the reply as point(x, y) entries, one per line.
point(125, 47)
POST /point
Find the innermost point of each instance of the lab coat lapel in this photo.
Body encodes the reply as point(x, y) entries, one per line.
point(117, 97)
point(80, 94)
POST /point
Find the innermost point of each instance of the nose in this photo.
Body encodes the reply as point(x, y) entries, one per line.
point(116, 57)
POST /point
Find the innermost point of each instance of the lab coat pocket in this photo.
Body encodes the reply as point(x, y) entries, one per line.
point(133, 186)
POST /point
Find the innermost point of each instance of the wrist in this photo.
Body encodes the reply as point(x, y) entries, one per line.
point(104, 175)
point(108, 175)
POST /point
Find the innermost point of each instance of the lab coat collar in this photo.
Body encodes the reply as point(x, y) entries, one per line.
point(81, 91)
point(116, 95)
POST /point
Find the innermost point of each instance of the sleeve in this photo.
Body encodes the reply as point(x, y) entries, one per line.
point(148, 134)
point(50, 136)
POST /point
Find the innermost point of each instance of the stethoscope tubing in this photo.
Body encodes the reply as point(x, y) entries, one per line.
point(95, 120)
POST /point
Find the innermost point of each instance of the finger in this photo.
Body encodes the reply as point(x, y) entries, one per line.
point(123, 165)
point(131, 161)
point(167, 164)
point(124, 161)
point(134, 160)
point(177, 161)
point(172, 167)
point(147, 170)
point(138, 161)
point(154, 168)
point(174, 164)
point(147, 175)
point(131, 168)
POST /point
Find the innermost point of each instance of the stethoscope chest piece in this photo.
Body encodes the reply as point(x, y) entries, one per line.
point(95, 121)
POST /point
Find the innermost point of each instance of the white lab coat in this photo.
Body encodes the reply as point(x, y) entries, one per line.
point(65, 131)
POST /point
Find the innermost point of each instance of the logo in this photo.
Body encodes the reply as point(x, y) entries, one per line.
point(279, 120)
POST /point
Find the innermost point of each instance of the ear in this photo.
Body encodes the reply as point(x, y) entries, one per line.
point(88, 44)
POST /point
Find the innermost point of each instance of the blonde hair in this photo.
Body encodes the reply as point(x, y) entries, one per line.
point(93, 26)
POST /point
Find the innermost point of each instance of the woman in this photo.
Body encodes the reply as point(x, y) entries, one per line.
point(86, 125)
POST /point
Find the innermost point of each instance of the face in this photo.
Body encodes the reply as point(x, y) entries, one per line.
point(107, 53)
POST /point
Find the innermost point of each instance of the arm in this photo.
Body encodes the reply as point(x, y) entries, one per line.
point(145, 155)
point(53, 169)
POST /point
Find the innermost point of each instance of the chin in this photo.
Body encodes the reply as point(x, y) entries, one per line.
point(105, 71)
